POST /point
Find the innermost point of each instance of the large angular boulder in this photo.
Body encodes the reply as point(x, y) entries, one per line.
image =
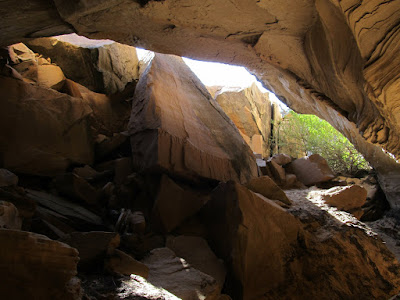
point(281, 159)
point(311, 169)
point(42, 131)
point(174, 204)
point(175, 275)
point(345, 197)
point(265, 186)
point(31, 265)
point(250, 110)
point(103, 68)
point(274, 255)
point(177, 126)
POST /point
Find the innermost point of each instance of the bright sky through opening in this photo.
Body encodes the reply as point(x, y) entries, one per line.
point(211, 73)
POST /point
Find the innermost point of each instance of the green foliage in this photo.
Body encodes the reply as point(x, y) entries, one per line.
point(301, 135)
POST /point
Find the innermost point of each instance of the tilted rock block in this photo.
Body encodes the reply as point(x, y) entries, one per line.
point(174, 204)
point(177, 126)
point(345, 198)
point(311, 169)
point(265, 186)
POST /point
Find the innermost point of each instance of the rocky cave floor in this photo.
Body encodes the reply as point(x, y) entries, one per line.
point(307, 203)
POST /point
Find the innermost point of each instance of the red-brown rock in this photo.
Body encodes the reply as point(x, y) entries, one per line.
point(177, 126)
point(265, 186)
point(31, 265)
point(42, 131)
point(311, 169)
point(250, 110)
point(345, 198)
point(174, 204)
point(277, 172)
point(281, 159)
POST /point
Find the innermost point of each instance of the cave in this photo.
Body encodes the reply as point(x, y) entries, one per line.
point(86, 129)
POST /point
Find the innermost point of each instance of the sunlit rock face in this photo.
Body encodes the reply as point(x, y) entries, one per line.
point(332, 58)
point(251, 111)
point(175, 125)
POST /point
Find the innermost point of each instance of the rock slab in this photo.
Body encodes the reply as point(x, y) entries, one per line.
point(177, 126)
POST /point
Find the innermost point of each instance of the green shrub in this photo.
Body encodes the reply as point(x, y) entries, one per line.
point(300, 135)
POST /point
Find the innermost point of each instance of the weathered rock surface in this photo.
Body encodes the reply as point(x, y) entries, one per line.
point(176, 125)
point(109, 114)
point(174, 204)
point(105, 68)
point(251, 111)
point(198, 254)
point(346, 198)
point(31, 265)
point(175, 275)
point(267, 246)
point(311, 169)
point(42, 131)
point(265, 186)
